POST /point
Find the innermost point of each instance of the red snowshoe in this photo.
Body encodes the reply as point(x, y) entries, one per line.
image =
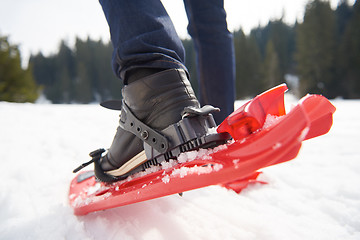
point(262, 135)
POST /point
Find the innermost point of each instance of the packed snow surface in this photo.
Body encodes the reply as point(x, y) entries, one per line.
point(315, 196)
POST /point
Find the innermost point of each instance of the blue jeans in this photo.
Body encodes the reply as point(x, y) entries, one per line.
point(143, 36)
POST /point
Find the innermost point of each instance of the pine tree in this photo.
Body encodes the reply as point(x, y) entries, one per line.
point(343, 14)
point(85, 67)
point(83, 87)
point(113, 85)
point(65, 72)
point(16, 84)
point(316, 50)
point(248, 65)
point(349, 55)
point(271, 73)
point(81, 74)
point(282, 37)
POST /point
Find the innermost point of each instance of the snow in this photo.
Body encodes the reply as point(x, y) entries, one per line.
point(315, 196)
point(271, 120)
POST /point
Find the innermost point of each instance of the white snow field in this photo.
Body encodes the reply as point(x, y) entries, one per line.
point(315, 196)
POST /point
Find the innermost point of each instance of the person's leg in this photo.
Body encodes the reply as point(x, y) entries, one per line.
point(215, 54)
point(142, 35)
point(148, 57)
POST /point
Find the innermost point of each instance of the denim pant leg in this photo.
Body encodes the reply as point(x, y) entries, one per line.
point(143, 36)
point(215, 54)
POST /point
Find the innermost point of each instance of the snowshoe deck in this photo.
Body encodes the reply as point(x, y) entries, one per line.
point(263, 135)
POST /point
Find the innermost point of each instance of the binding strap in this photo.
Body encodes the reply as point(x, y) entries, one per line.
point(150, 136)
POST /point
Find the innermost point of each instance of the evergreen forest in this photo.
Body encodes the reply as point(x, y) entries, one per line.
point(319, 55)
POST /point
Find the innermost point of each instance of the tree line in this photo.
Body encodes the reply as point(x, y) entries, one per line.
point(16, 84)
point(319, 55)
point(323, 52)
point(81, 74)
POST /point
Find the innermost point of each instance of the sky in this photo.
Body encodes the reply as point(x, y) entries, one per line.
point(40, 25)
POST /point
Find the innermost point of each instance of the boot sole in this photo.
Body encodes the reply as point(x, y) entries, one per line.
point(136, 161)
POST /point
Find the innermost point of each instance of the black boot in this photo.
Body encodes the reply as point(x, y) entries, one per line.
point(156, 100)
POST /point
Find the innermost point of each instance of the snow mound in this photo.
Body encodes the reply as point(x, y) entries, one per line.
point(315, 196)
